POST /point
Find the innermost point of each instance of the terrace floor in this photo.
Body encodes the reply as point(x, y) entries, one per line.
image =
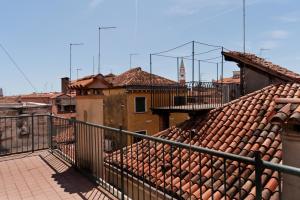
point(42, 175)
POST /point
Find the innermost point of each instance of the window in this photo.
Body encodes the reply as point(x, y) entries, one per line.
point(140, 104)
point(137, 139)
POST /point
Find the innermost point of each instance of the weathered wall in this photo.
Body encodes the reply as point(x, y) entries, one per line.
point(255, 80)
point(177, 118)
point(90, 108)
point(115, 110)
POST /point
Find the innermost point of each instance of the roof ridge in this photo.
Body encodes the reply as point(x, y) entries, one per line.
point(262, 64)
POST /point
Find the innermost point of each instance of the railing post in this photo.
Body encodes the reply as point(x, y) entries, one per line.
point(75, 143)
point(51, 131)
point(32, 133)
point(169, 98)
point(122, 162)
point(258, 174)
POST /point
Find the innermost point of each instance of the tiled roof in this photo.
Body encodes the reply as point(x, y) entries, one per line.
point(87, 80)
point(241, 127)
point(109, 77)
point(137, 76)
point(40, 95)
point(30, 97)
point(262, 64)
point(288, 111)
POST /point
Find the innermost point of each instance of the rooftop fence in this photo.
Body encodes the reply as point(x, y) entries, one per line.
point(153, 168)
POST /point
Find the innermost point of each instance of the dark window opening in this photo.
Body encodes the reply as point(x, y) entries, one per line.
point(140, 104)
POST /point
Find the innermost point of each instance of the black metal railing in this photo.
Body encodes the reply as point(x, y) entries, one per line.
point(193, 95)
point(157, 168)
point(153, 168)
point(23, 134)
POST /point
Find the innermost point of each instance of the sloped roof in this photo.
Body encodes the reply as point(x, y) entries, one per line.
point(40, 95)
point(241, 127)
point(137, 76)
point(88, 80)
point(262, 64)
point(60, 94)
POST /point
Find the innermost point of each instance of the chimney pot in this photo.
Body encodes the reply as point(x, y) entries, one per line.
point(64, 84)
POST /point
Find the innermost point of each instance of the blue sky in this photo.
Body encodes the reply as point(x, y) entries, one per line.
point(37, 35)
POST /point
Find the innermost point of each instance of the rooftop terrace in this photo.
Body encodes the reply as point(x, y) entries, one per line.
point(160, 167)
point(41, 175)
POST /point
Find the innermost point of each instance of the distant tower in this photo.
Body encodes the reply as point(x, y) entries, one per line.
point(182, 73)
point(1, 92)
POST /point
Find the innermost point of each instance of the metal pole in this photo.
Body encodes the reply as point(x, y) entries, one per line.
point(130, 61)
point(258, 173)
point(130, 55)
point(71, 44)
point(244, 25)
point(217, 72)
point(222, 75)
point(32, 133)
point(70, 80)
point(178, 76)
point(99, 52)
point(93, 65)
point(152, 92)
point(222, 66)
point(199, 69)
point(70, 63)
point(51, 131)
point(75, 145)
point(122, 163)
point(193, 62)
point(78, 69)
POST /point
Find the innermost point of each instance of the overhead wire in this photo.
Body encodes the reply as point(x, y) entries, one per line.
point(204, 60)
point(18, 68)
point(172, 48)
point(201, 53)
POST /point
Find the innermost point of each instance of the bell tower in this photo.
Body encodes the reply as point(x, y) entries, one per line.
point(182, 73)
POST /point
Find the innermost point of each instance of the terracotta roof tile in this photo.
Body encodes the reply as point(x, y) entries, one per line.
point(88, 80)
point(137, 76)
point(226, 129)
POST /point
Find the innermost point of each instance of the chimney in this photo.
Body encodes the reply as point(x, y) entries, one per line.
point(182, 73)
point(65, 84)
point(1, 92)
point(289, 118)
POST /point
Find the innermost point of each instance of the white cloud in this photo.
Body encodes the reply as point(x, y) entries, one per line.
point(278, 34)
point(94, 3)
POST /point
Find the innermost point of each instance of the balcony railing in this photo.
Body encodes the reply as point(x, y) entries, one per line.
point(23, 134)
point(153, 168)
point(193, 95)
